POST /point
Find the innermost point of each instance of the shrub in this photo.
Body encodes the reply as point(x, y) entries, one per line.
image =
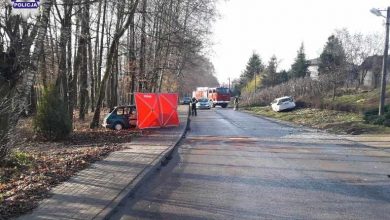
point(372, 117)
point(378, 120)
point(300, 104)
point(52, 120)
point(386, 122)
point(21, 158)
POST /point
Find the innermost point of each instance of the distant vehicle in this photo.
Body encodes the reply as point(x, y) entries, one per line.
point(186, 101)
point(203, 103)
point(218, 95)
point(122, 117)
point(200, 92)
point(283, 103)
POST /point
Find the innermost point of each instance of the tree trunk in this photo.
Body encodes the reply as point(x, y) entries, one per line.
point(91, 71)
point(113, 87)
point(96, 54)
point(142, 60)
point(132, 60)
point(70, 74)
point(84, 61)
point(99, 71)
point(42, 69)
point(33, 102)
point(62, 80)
point(116, 81)
point(76, 70)
point(168, 28)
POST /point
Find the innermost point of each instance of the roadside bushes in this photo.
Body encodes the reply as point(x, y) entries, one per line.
point(52, 120)
point(307, 92)
point(372, 117)
point(339, 107)
point(304, 89)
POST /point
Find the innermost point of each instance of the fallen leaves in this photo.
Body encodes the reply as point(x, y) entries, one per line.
point(37, 165)
point(21, 193)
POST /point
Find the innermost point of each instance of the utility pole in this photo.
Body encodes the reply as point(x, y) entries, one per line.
point(384, 67)
point(382, 99)
point(255, 82)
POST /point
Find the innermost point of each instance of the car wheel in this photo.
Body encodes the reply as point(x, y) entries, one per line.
point(118, 126)
point(224, 105)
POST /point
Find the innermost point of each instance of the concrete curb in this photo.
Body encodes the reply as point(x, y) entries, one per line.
point(161, 160)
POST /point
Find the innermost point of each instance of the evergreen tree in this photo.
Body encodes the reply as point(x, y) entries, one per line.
point(282, 76)
point(254, 66)
point(332, 58)
point(333, 63)
point(52, 119)
point(300, 66)
point(270, 75)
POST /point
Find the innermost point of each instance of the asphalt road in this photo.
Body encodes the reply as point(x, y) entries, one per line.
point(236, 166)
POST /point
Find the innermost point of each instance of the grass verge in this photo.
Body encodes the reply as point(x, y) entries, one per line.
point(332, 121)
point(358, 101)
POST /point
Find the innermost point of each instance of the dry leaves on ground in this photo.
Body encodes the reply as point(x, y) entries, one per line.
point(46, 164)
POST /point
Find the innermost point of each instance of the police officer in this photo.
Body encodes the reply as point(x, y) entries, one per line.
point(193, 106)
point(236, 101)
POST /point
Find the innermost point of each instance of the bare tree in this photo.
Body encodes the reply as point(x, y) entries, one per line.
point(18, 79)
point(358, 47)
point(120, 30)
point(162, 38)
point(83, 46)
point(65, 17)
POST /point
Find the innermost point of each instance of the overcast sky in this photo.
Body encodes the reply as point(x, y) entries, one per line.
point(277, 27)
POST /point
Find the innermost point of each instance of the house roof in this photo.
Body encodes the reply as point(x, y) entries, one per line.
point(314, 62)
point(373, 62)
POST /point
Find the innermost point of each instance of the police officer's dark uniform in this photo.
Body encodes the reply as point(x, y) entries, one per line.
point(193, 106)
point(236, 101)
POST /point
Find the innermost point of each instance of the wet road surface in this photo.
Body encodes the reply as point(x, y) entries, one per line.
point(236, 166)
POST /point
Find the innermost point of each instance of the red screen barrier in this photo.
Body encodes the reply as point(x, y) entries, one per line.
point(168, 109)
point(156, 110)
point(148, 110)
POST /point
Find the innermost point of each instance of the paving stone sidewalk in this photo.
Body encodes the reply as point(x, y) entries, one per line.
point(95, 191)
